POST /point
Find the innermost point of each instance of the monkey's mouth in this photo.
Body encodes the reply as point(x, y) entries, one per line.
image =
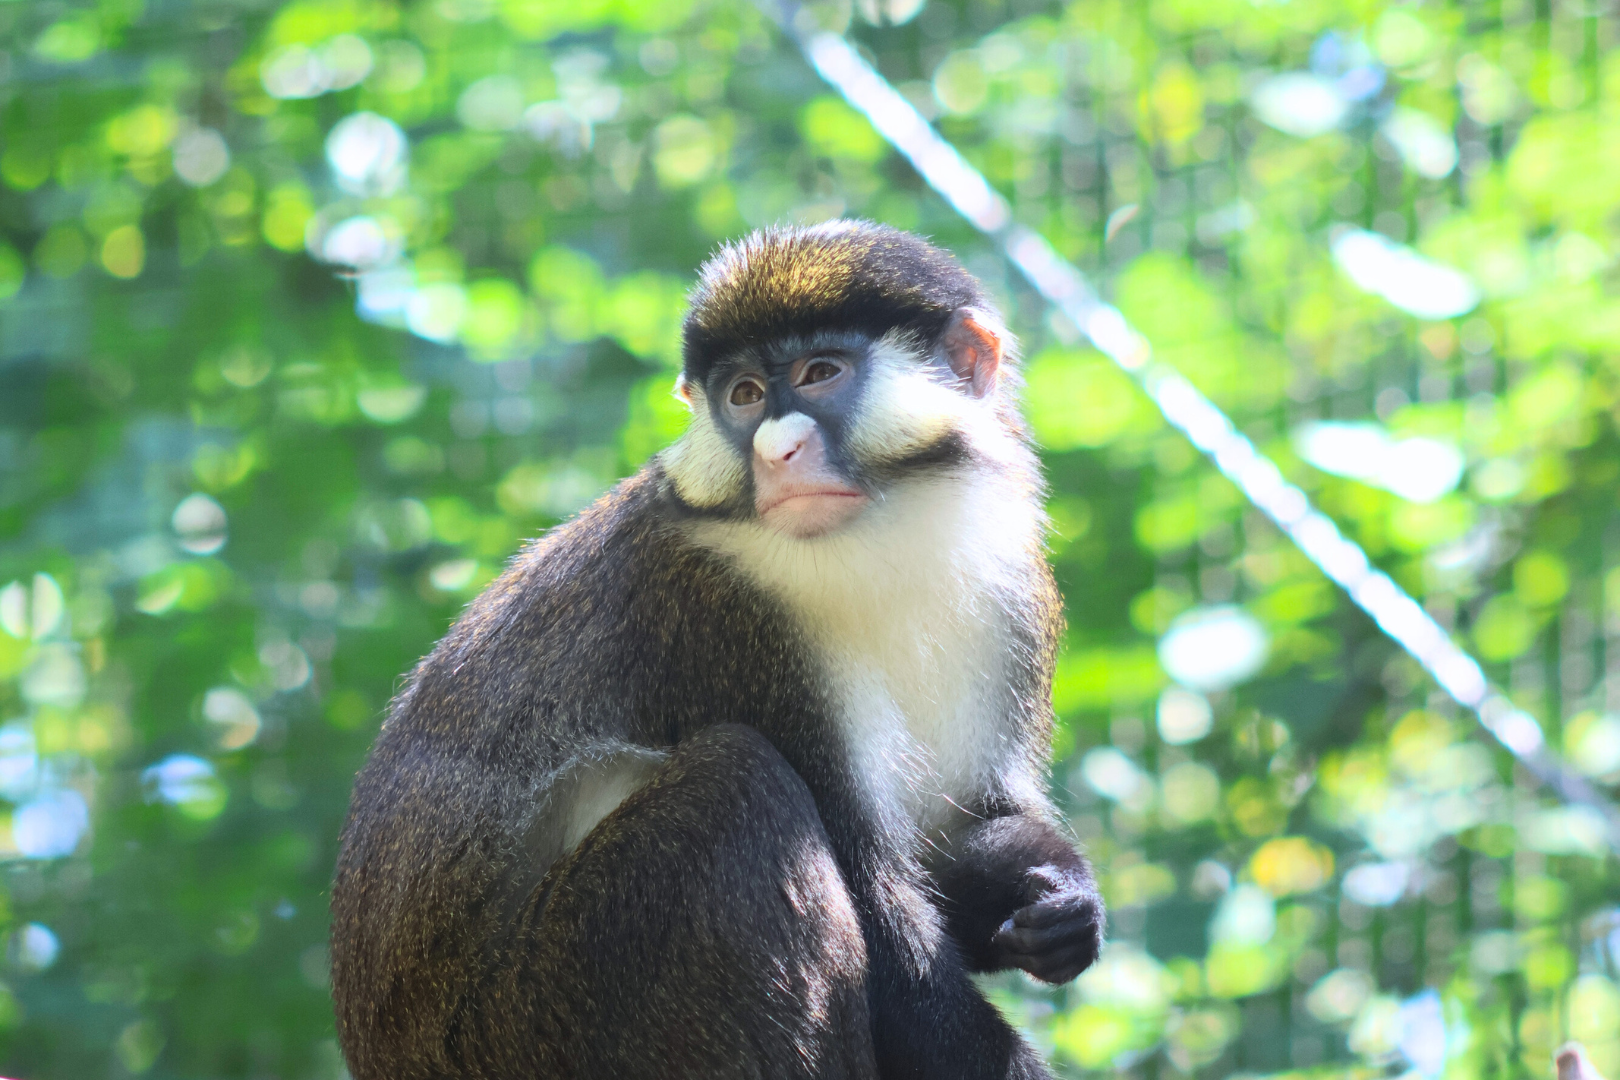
point(810, 511)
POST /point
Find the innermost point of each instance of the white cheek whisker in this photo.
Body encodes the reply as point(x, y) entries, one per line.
point(705, 470)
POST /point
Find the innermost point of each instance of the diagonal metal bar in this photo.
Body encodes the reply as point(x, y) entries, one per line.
point(1187, 409)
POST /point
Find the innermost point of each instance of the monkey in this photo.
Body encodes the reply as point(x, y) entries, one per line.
point(741, 771)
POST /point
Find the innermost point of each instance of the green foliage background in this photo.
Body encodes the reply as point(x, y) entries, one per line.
point(242, 490)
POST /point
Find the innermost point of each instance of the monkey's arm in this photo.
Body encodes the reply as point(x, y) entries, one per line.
point(1016, 893)
point(928, 1018)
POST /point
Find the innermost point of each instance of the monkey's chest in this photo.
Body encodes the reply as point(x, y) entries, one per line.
point(923, 711)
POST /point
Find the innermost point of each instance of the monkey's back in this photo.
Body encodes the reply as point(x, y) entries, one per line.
point(612, 629)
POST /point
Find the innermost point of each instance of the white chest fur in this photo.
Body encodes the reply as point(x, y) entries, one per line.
point(905, 609)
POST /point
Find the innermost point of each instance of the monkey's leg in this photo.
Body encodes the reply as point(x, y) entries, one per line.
point(701, 930)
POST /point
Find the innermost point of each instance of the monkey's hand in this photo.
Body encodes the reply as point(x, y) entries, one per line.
point(1016, 893)
point(1059, 933)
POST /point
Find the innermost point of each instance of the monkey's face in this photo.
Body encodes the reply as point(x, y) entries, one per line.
point(805, 433)
point(787, 416)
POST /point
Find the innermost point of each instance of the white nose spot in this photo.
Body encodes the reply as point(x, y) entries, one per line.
point(776, 441)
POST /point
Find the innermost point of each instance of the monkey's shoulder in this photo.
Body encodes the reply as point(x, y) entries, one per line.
point(614, 624)
point(623, 573)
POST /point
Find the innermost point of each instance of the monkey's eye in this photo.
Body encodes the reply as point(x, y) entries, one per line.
point(819, 370)
point(747, 392)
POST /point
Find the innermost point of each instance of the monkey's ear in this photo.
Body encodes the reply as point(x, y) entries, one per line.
point(973, 349)
point(683, 390)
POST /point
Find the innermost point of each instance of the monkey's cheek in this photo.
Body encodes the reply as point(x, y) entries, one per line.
point(806, 516)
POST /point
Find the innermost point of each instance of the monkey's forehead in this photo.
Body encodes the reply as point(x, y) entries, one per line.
point(841, 275)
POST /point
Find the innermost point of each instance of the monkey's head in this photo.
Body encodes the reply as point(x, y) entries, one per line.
point(826, 365)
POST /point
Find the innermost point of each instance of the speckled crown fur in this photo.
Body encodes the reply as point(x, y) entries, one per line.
point(841, 275)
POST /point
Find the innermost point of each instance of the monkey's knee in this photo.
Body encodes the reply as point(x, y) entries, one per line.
point(708, 915)
point(722, 842)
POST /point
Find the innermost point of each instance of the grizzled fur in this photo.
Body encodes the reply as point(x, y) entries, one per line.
point(643, 813)
point(843, 275)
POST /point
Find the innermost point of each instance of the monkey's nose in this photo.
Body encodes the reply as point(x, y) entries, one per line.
point(783, 441)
